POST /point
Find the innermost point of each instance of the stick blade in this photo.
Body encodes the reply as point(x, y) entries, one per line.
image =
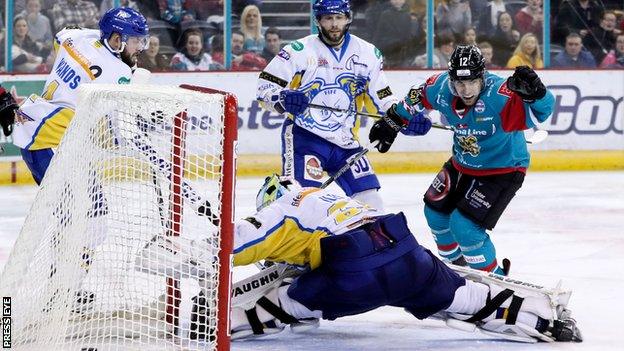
point(537, 137)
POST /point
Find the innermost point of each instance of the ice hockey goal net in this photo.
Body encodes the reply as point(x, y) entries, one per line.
point(128, 242)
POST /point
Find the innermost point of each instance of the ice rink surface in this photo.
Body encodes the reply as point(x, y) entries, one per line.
point(561, 225)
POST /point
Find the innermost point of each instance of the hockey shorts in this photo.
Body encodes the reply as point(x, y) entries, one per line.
point(37, 162)
point(306, 155)
point(482, 198)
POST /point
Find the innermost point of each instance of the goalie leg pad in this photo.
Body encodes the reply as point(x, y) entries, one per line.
point(513, 309)
point(268, 317)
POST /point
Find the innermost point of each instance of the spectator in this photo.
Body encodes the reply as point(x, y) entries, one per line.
point(20, 6)
point(527, 53)
point(243, 60)
point(151, 59)
point(26, 54)
point(251, 27)
point(172, 11)
point(204, 8)
point(372, 16)
point(530, 19)
point(419, 36)
point(453, 15)
point(488, 20)
point(576, 16)
point(193, 57)
point(392, 37)
point(81, 13)
point(601, 39)
point(573, 56)
point(488, 53)
point(615, 58)
point(216, 49)
point(470, 36)
point(441, 54)
point(39, 28)
point(505, 39)
point(106, 5)
point(149, 9)
point(272, 44)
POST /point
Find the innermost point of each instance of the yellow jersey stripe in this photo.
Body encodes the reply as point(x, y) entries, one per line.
point(51, 130)
point(286, 242)
point(78, 58)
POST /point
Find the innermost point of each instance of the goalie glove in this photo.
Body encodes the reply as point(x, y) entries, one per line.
point(385, 130)
point(8, 106)
point(526, 83)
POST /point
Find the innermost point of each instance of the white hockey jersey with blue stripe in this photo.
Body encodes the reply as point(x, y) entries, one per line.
point(80, 58)
point(347, 78)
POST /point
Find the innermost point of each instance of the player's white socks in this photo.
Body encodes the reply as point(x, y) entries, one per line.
point(370, 197)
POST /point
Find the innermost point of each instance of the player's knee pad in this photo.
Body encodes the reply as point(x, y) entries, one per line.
point(370, 197)
point(466, 231)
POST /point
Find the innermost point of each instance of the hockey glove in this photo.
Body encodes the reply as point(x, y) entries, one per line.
point(418, 125)
point(8, 106)
point(385, 130)
point(527, 84)
point(293, 101)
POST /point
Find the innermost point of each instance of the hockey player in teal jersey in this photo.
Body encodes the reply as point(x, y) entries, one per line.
point(489, 158)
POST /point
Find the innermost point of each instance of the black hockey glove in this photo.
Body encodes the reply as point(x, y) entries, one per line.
point(385, 130)
point(7, 111)
point(527, 84)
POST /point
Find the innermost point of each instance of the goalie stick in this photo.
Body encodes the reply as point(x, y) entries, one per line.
point(200, 206)
point(539, 135)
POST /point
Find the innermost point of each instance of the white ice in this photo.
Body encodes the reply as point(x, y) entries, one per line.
point(561, 225)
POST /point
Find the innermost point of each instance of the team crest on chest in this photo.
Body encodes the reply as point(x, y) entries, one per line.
point(469, 145)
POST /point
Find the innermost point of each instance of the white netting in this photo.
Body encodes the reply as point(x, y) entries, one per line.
point(106, 259)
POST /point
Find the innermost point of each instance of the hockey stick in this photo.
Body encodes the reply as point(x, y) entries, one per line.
point(539, 135)
point(370, 115)
point(344, 168)
point(200, 206)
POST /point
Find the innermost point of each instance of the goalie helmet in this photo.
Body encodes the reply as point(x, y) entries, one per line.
point(327, 7)
point(126, 22)
point(273, 188)
point(466, 63)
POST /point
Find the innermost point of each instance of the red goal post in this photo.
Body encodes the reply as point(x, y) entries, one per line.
point(118, 245)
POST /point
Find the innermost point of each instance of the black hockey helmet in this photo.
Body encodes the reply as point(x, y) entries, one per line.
point(466, 63)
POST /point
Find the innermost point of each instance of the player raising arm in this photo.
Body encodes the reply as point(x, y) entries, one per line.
point(489, 158)
point(361, 260)
point(334, 69)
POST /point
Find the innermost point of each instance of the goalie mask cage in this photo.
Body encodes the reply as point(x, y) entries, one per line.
point(121, 250)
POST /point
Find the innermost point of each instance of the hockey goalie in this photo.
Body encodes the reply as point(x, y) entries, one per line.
point(358, 259)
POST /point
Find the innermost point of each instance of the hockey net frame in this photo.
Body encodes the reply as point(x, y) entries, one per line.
point(15, 275)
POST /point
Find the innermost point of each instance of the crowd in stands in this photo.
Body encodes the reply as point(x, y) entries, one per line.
point(187, 35)
point(510, 30)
